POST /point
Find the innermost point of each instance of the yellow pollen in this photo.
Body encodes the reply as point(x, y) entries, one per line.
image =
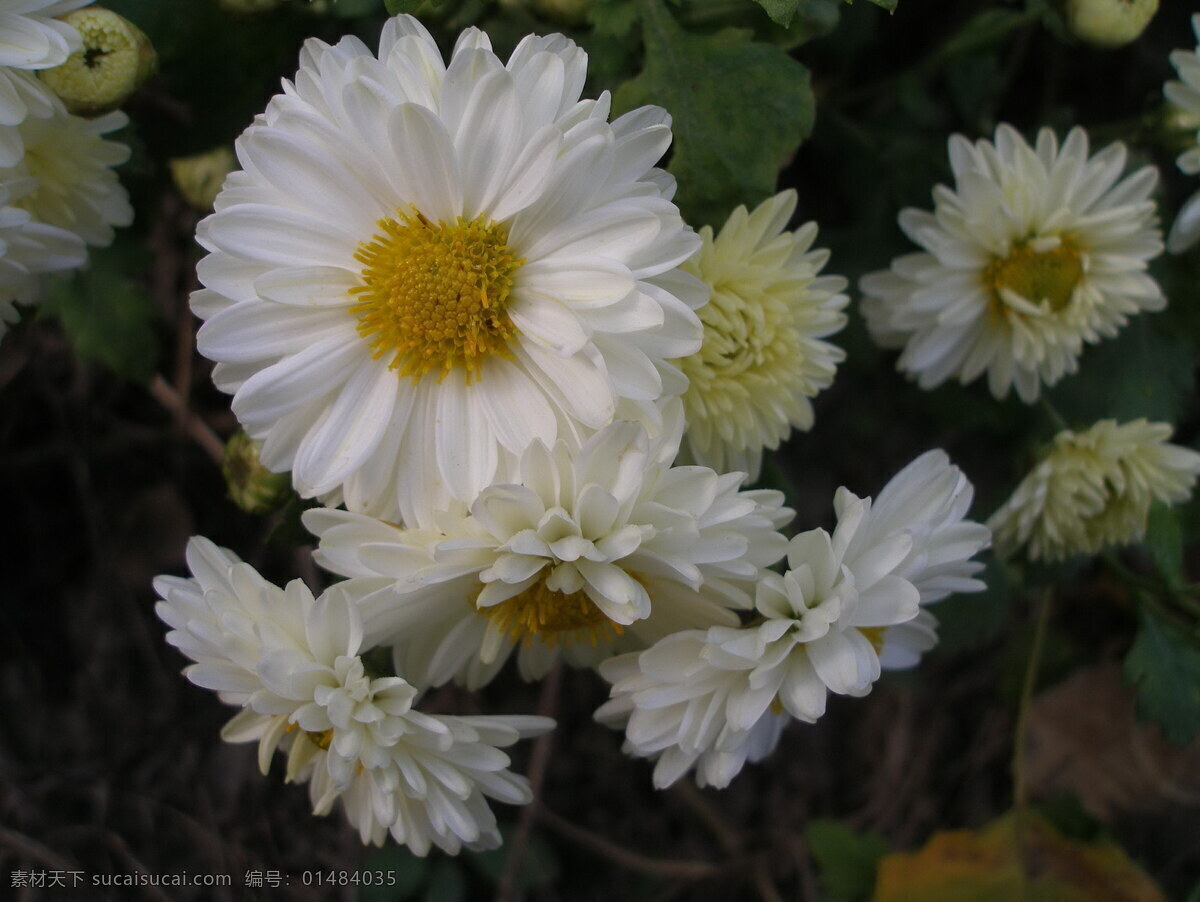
point(321, 740)
point(776, 705)
point(874, 635)
point(435, 294)
point(552, 617)
point(1049, 276)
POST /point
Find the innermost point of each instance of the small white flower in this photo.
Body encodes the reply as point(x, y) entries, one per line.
point(68, 166)
point(1035, 251)
point(27, 249)
point(1185, 95)
point(1094, 489)
point(292, 663)
point(715, 699)
point(30, 38)
point(591, 552)
point(422, 268)
point(763, 356)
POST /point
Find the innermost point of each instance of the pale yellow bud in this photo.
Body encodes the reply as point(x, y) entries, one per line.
point(115, 60)
point(1109, 23)
point(252, 487)
point(199, 178)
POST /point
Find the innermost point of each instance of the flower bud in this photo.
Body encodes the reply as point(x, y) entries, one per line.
point(1109, 23)
point(115, 61)
point(199, 178)
point(252, 487)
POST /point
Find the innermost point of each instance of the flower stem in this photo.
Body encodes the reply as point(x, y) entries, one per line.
point(1020, 776)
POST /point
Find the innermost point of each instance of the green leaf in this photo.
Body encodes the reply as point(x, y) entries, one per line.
point(1164, 666)
point(395, 7)
point(106, 316)
point(845, 860)
point(1164, 538)
point(355, 9)
point(739, 109)
point(781, 11)
point(613, 18)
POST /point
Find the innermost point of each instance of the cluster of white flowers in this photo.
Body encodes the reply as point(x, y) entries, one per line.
point(58, 192)
point(457, 301)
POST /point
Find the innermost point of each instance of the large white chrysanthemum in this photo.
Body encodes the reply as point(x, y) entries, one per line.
point(1035, 251)
point(30, 38)
point(1185, 95)
point(68, 164)
point(292, 663)
point(715, 699)
point(422, 268)
point(28, 248)
point(1094, 489)
point(763, 356)
point(590, 552)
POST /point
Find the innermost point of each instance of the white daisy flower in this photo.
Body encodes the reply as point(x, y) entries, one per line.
point(31, 39)
point(423, 268)
point(27, 249)
point(1185, 96)
point(69, 166)
point(1094, 489)
point(589, 553)
point(292, 663)
point(1035, 251)
point(763, 356)
point(715, 699)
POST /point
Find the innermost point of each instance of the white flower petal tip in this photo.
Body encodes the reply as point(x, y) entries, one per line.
point(1036, 251)
point(418, 271)
point(764, 355)
point(1093, 489)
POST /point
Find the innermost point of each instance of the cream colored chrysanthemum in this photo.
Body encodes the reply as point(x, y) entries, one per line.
point(1094, 489)
point(70, 163)
point(1035, 251)
point(1185, 96)
point(763, 356)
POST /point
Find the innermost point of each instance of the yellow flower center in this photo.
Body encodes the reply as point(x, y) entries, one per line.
point(1049, 276)
point(552, 617)
point(435, 294)
point(320, 740)
point(874, 635)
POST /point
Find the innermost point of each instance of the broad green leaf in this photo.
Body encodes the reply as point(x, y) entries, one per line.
point(1018, 857)
point(845, 860)
point(781, 11)
point(614, 18)
point(1164, 667)
point(107, 317)
point(1164, 538)
point(355, 9)
point(967, 621)
point(739, 109)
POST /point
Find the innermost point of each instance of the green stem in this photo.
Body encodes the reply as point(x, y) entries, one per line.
point(1056, 418)
point(1020, 776)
